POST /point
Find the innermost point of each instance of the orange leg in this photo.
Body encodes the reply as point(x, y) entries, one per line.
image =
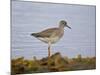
point(49, 52)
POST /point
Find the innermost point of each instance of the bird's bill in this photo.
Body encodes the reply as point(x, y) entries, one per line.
point(32, 34)
point(68, 26)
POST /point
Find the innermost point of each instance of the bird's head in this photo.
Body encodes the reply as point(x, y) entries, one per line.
point(63, 24)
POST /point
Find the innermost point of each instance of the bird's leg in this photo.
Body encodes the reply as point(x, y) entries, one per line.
point(49, 54)
point(49, 51)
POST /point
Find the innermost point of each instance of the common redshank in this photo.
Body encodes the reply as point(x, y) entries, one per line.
point(51, 35)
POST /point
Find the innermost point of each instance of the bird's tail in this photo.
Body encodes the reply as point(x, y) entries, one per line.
point(34, 34)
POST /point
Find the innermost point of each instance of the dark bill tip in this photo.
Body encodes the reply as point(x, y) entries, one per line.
point(68, 27)
point(31, 34)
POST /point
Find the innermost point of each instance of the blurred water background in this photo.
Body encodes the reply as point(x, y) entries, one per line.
point(29, 17)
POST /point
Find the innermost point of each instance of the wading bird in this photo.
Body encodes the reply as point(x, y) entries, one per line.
point(51, 35)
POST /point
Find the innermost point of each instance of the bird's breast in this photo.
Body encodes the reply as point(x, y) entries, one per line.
point(52, 40)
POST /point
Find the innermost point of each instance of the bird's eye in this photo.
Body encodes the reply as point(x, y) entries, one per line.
point(64, 23)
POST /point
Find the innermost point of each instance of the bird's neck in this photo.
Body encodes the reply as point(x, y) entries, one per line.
point(61, 29)
point(61, 26)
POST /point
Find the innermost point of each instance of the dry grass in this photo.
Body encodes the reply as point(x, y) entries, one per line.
point(55, 63)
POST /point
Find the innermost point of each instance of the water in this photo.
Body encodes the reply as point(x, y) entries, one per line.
point(29, 17)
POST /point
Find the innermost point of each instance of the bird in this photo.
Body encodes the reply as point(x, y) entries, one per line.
point(51, 35)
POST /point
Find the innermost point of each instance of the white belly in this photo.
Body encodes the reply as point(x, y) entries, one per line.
point(51, 40)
